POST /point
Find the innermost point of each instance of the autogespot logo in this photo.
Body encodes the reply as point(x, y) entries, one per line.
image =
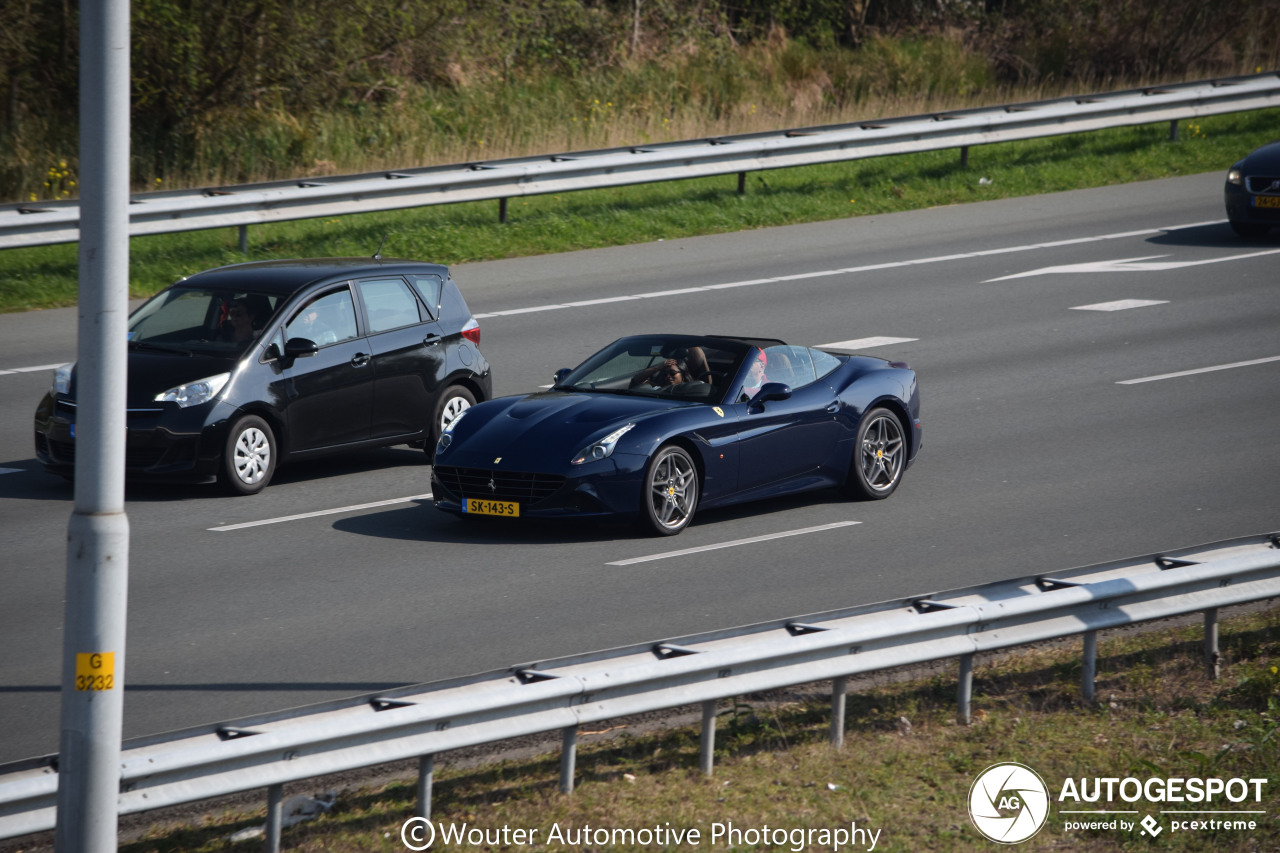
point(1008, 803)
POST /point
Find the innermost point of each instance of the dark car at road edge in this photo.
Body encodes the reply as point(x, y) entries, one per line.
point(1252, 192)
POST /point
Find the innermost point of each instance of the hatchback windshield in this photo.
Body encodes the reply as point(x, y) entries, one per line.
point(199, 320)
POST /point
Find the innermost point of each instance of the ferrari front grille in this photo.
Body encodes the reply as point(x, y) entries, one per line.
point(518, 486)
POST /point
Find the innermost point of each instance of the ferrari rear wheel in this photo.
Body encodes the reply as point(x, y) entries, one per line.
point(879, 458)
point(670, 492)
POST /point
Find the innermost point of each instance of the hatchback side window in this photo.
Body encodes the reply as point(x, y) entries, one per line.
point(428, 287)
point(389, 304)
point(328, 319)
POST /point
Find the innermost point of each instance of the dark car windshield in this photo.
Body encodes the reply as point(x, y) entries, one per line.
point(200, 320)
point(678, 366)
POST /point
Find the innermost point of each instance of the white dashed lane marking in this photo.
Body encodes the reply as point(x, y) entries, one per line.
point(1231, 366)
point(1121, 305)
point(865, 343)
point(735, 543)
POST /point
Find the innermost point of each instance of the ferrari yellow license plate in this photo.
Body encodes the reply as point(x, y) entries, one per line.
point(475, 506)
point(1266, 201)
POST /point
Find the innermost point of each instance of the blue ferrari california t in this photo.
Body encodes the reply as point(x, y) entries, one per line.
point(656, 427)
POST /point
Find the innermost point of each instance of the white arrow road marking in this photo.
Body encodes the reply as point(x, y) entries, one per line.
point(1131, 265)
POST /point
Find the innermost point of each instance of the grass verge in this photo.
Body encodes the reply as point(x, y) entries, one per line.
point(45, 277)
point(905, 770)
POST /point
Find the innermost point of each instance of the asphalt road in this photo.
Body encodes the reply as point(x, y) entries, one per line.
point(1040, 453)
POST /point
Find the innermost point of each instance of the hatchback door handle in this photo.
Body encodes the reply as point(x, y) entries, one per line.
point(359, 360)
point(430, 340)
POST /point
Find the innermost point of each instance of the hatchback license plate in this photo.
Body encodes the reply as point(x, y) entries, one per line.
point(1266, 201)
point(510, 509)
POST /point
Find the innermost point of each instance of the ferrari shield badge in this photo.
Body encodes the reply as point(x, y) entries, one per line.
point(719, 411)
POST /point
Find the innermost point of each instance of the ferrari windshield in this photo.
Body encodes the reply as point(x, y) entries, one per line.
point(200, 320)
point(680, 366)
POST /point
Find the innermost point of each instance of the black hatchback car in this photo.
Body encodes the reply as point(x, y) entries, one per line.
point(237, 369)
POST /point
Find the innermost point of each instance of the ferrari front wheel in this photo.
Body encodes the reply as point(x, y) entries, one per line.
point(878, 458)
point(670, 492)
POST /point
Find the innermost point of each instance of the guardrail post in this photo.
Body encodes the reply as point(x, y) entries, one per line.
point(426, 778)
point(742, 183)
point(838, 685)
point(275, 814)
point(1173, 130)
point(707, 756)
point(964, 691)
point(1211, 657)
point(244, 239)
point(1089, 665)
point(964, 156)
point(568, 757)
point(502, 211)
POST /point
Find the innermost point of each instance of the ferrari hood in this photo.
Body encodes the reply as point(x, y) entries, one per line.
point(543, 431)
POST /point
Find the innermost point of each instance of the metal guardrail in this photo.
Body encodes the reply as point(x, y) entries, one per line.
point(45, 223)
point(562, 694)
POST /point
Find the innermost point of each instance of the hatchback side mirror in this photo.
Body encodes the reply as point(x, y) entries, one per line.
point(299, 347)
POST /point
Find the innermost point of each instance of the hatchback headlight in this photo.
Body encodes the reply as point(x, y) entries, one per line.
point(62, 379)
point(1234, 177)
point(195, 393)
point(601, 449)
point(446, 434)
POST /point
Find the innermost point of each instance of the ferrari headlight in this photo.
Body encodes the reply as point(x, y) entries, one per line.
point(62, 379)
point(195, 393)
point(446, 434)
point(602, 449)
point(1234, 177)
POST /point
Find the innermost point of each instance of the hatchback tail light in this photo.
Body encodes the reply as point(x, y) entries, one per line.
point(471, 331)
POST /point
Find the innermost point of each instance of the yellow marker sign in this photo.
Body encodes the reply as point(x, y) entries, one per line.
point(95, 671)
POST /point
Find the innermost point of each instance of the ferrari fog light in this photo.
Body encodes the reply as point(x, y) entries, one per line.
point(601, 449)
point(195, 393)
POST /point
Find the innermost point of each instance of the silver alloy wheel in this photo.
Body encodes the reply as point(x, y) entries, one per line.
point(882, 452)
point(252, 456)
point(673, 489)
point(452, 407)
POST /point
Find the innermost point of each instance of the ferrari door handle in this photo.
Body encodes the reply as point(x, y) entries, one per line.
point(833, 408)
point(359, 360)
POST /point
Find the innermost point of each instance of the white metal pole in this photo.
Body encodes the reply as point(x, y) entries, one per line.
point(98, 533)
